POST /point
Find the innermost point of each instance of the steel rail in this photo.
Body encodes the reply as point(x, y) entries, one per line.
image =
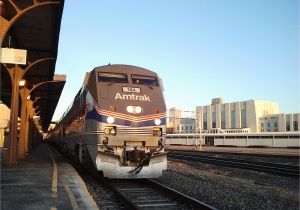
point(279, 169)
point(148, 194)
point(270, 155)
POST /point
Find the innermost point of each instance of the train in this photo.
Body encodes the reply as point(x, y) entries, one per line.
point(116, 123)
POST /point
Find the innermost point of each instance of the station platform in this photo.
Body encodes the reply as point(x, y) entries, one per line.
point(293, 152)
point(43, 180)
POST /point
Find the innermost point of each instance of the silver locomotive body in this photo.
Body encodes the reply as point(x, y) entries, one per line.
point(117, 121)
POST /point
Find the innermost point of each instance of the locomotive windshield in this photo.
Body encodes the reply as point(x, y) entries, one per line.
point(144, 80)
point(112, 77)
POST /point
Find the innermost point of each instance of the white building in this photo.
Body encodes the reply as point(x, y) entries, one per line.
point(280, 122)
point(4, 122)
point(174, 117)
point(186, 125)
point(236, 117)
point(181, 121)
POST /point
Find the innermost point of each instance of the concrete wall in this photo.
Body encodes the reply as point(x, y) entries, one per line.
point(277, 141)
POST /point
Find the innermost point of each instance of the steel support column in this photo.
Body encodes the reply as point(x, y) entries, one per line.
point(23, 140)
point(28, 116)
point(16, 75)
point(24, 109)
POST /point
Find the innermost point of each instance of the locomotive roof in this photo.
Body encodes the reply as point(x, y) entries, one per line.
point(125, 69)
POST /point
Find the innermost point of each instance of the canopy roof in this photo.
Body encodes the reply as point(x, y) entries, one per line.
point(33, 26)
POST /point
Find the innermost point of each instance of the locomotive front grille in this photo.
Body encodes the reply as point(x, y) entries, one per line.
point(135, 131)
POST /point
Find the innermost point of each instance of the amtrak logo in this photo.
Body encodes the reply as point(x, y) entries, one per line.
point(132, 97)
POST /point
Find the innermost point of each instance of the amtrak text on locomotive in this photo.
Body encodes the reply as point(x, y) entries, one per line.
point(132, 97)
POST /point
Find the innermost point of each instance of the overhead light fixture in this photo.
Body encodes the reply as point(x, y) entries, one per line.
point(36, 117)
point(22, 83)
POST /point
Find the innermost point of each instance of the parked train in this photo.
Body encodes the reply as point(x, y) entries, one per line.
point(117, 122)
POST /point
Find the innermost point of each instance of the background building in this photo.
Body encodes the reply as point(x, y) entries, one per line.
point(248, 123)
point(186, 125)
point(4, 122)
point(280, 122)
point(236, 117)
point(180, 121)
point(174, 117)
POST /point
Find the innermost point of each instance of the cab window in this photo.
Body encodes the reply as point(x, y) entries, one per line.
point(144, 80)
point(112, 77)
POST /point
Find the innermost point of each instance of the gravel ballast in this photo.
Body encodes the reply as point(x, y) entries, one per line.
point(231, 188)
point(219, 186)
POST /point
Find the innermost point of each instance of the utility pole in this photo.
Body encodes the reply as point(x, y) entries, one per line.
point(198, 142)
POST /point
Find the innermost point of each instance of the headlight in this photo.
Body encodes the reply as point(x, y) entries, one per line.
point(157, 121)
point(134, 109)
point(106, 131)
point(157, 132)
point(138, 109)
point(110, 120)
point(129, 109)
point(112, 132)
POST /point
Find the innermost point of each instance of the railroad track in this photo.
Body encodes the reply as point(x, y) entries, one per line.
point(136, 193)
point(148, 194)
point(274, 168)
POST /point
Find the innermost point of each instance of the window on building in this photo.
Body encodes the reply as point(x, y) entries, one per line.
point(262, 125)
point(269, 125)
point(244, 118)
point(214, 117)
point(205, 116)
point(232, 116)
point(275, 124)
point(214, 124)
point(288, 126)
point(223, 119)
point(205, 125)
point(295, 125)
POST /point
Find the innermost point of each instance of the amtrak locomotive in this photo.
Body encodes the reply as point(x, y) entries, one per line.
point(117, 122)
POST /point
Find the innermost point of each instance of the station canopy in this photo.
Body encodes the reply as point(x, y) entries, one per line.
point(33, 25)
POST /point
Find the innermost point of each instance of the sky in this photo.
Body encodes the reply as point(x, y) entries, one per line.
point(202, 49)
